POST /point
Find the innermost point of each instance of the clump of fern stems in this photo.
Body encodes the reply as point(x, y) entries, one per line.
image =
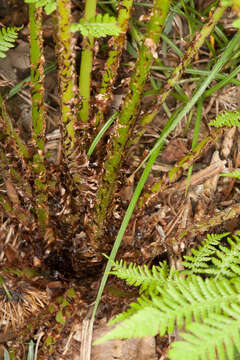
point(128, 114)
point(206, 309)
point(71, 103)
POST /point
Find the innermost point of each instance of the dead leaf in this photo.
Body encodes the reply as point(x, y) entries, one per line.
point(175, 151)
point(211, 184)
point(150, 44)
point(12, 193)
point(228, 142)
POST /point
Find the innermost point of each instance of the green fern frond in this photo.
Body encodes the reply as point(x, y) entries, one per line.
point(100, 26)
point(208, 308)
point(133, 327)
point(226, 118)
point(235, 174)
point(181, 302)
point(217, 338)
point(222, 262)
point(198, 262)
point(7, 39)
point(49, 5)
point(226, 263)
point(141, 275)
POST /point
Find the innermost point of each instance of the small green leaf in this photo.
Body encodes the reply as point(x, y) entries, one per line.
point(71, 293)
point(226, 3)
point(236, 23)
point(100, 26)
point(60, 318)
point(75, 27)
point(51, 7)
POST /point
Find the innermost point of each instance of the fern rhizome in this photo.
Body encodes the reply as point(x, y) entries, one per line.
point(205, 307)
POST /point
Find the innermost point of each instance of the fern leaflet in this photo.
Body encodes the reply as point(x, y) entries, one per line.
point(193, 298)
point(226, 118)
point(141, 275)
point(197, 263)
point(7, 39)
point(227, 260)
point(49, 5)
point(222, 262)
point(100, 26)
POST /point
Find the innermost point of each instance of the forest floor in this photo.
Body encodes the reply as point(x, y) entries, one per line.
point(151, 229)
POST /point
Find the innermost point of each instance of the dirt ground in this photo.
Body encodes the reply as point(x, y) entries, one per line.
point(64, 270)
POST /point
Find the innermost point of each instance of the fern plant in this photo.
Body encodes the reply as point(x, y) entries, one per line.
point(35, 184)
point(226, 118)
point(7, 39)
point(207, 309)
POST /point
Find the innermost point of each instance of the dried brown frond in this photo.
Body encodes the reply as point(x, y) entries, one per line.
point(18, 301)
